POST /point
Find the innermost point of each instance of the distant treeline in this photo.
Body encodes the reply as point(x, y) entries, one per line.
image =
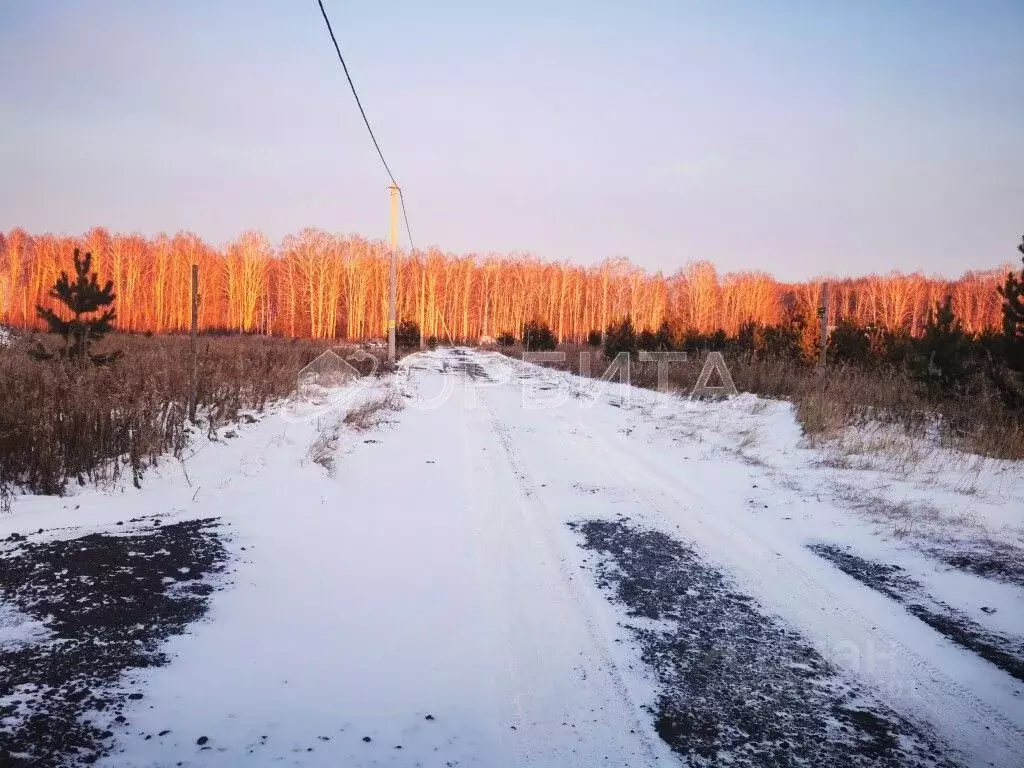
point(324, 286)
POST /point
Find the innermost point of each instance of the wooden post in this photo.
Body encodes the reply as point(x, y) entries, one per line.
point(823, 324)
point(393, 287)
point(193, 349)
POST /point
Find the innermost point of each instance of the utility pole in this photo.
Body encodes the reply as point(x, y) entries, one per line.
point(393, 288)
point(822, 374)
point(423, 305)
point(193, 349)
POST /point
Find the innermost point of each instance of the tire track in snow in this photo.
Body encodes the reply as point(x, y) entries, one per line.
point(738, 686)
point(1005, 652)
point(880, 725)
point(520, 528)
point(989, 736)
point(493, 583)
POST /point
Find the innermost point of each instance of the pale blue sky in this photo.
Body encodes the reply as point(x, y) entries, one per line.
point(802, 138)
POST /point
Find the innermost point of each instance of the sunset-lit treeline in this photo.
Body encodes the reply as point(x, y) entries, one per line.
point(326, 286)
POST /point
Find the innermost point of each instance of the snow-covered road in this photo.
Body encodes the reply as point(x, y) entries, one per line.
point(439, 599)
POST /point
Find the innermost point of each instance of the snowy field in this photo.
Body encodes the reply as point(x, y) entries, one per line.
point(480, 562)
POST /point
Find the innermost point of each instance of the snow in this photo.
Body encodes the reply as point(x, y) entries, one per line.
point(18, 630)
point(431, 572)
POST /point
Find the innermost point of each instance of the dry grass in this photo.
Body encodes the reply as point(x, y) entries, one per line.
point(844, 397)
point(62, 423)
point(369, 414)
point(979, 425)
point(748, 438)
point(905, 517)
point(325, 446)
point(359, 418)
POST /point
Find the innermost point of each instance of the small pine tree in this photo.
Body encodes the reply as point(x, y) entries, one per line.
point(781, 342)
point(1009, 378)
point(656, 341)
point(850, 343)
point(537, 336)
point(893, 347)
point(620, 338)
point(748, 337)
point(1012, 292)
point(83, 297)
point(407, 334)
point(943, 363)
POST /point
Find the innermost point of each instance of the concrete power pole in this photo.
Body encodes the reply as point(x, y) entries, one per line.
point(193, 357)
point(393, 287)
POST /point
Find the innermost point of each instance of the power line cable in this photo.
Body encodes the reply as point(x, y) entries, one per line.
point(405, 216)
point(366, 120)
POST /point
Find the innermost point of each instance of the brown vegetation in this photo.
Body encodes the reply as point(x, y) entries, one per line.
point(847, 396)
point(323, 286)
point(369, 414)
point(358, 418)
point(61, 422)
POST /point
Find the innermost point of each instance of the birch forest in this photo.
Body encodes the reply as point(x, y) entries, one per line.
point(324, 286)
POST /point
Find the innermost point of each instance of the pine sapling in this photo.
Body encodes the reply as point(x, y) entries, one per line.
point(92, 314)
point(1011, 384)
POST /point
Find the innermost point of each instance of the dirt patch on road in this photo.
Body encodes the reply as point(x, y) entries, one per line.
point(105, 604)
point(991, 560)
point(1007, 653)
point(737, 687)
point(465, 366)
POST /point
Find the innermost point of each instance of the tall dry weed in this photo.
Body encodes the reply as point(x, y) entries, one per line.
point(62, 423)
